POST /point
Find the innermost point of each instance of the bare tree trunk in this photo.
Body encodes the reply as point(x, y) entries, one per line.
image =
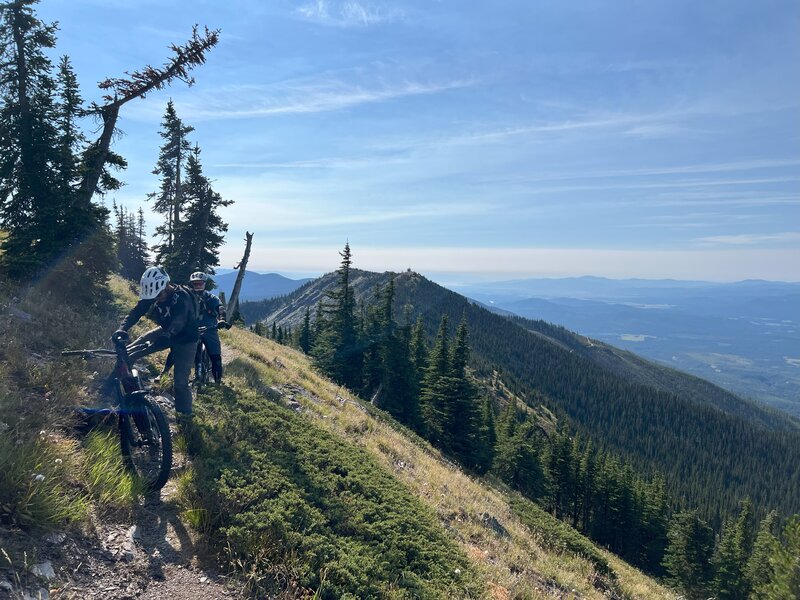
point(241, 266)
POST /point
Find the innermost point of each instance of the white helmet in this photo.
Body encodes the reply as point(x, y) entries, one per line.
point(153, 281)
point(198, 281)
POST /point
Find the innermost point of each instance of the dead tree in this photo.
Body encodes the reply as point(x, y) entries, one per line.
point(234, 299)
point(137, 85)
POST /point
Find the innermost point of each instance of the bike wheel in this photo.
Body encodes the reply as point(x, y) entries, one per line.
point(206, 367)
point(146, 442)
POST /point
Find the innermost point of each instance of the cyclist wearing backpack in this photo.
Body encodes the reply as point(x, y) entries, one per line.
point(174, 308)
point(212, 316)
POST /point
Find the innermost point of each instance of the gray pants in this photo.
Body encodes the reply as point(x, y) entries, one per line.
point(182, 358)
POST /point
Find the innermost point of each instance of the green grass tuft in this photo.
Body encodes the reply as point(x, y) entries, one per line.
point(104, 471)
point(34, 485)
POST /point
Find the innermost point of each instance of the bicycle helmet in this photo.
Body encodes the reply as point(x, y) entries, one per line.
point(153, 281)
point(198, 280)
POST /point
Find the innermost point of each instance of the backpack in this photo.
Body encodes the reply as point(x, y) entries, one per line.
point(196, 308)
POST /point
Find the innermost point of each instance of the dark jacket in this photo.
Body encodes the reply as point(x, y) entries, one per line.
point(177, 316)
point(211, 309)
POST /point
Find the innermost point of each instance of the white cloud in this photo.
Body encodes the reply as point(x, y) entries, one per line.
point(712, 265)
point(749, 239)
point(349, 13)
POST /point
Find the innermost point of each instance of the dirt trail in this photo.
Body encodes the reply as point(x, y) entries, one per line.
point(149, 553)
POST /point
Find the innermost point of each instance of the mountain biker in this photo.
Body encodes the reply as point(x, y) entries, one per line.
point(174, 308)
point(212, 316)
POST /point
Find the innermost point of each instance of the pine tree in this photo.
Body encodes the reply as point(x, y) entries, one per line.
point(465, 416)
point(733, 551)
point(50, 226)
point(488, 435)
point(419, 351)
point(169, 199)
point(305, 341)
point(198, 237)
point(131, 248)
point(688, 555)
point(336, 349)
point(399, 395)
point(784, 563)
point(434, 397)
point(759, 571)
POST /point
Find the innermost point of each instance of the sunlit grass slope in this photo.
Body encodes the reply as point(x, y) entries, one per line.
point(334, 478)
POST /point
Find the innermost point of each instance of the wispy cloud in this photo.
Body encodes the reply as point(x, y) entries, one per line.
point(349, 13)
point(313, 95)
point(317, 163)
point(749, 239)
point(658, 130)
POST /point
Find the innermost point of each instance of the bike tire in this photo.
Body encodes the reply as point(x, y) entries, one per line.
point(206, 367)
point(147, 455)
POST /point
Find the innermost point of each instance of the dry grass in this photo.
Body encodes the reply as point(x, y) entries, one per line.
point(513, 561)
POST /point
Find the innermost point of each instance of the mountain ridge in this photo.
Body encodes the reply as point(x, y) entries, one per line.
point(664, 422)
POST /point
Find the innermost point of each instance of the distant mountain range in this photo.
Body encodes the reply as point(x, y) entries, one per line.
point(257, 286)
point(713, 447)
point(744, 336)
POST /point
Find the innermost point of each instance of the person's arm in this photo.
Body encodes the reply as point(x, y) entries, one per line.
point(221, 314)
point(136, 313)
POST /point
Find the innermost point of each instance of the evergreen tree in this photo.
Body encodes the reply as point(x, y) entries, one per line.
point(400, 391)
point(50, 226)
point(198, 237)
point(730, 561)
point(784, 563)
point(586, 485)
point(305, 340)
point(654, 516)
point(688, 555)
point(434, 397)
point(465, 425)
point(518, 458)
point(488, 436)
point(372, 329)
point(131, 248)
point(169, 199)
point(336, 348)
point(759, 571)
point(419, 351)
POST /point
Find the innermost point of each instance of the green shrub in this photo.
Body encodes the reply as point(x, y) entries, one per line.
point(307, 503)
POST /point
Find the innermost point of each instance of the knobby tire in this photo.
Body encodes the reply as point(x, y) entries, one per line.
point(150, 462)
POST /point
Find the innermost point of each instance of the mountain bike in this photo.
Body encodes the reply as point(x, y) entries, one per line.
point(202, 361)
point(144, 434)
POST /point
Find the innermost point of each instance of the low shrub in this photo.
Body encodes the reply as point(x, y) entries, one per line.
point(313, 508)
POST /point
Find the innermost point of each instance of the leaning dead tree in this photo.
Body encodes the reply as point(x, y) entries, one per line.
point(137, 85)
point(240, 276)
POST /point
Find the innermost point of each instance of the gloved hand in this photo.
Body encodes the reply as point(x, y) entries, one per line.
point(223, 325)
point(120, 335)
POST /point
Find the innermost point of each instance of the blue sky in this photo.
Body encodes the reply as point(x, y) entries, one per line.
point(474, 140)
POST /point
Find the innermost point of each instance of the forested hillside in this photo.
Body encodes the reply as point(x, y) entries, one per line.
point(713, 448)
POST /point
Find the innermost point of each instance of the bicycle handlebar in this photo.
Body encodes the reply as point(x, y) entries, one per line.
point(92, 353)
point(202, 330)
point(89, 353)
